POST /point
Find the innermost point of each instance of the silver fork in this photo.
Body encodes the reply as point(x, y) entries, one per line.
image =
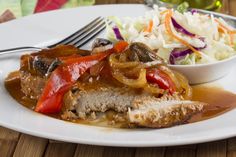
point(78, 39)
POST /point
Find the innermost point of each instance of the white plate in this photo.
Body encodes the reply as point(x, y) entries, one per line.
point(55, 25)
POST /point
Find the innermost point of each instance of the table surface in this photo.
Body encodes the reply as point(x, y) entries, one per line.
point(13, 143)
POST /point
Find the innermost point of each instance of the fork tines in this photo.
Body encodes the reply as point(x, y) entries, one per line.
point(78, 39)
point(85, 34)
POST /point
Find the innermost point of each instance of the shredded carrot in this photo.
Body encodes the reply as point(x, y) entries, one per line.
point(223, 26)
point(149, 27)
point(221, 29)
point(231, 33)
point(165, 11)
point(169, 31)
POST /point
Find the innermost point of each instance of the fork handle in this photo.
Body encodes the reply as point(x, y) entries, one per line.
point(11, 50)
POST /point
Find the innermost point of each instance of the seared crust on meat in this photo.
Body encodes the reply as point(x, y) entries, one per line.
point(31, 85)
point(164, 112)
point(139, 109)
point(87, 100)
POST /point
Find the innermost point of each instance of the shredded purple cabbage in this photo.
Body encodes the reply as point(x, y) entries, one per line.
point(193, 11)
point(184, 31)
point(181, 53)
point(117, 33)
point(177, 53)
point(172, 59)
point(181, 29)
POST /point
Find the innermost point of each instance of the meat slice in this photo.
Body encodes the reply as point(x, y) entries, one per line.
point(164, 112)
point(139, 108)
point(99, 97)
point(31, 85)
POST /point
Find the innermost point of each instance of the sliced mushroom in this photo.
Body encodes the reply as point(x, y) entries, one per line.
point(41, 64)
point(53, 66)
point(143, 53)
point(45, 66)
point(100, 45)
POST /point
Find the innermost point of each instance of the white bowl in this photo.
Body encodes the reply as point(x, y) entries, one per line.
point(204, 73)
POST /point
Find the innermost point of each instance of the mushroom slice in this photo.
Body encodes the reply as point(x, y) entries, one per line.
point(101, 45)
point(143, 53)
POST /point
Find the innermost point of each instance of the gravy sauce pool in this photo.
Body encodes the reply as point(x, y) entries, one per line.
point(219, 100)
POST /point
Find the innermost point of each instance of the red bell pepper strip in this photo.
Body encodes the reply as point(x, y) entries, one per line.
point(160, 78)
point(120, 46)
point(66, 75)
point(61, 80)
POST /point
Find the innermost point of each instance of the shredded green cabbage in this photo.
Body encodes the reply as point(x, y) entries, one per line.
point(190, 59)
point(216, 44)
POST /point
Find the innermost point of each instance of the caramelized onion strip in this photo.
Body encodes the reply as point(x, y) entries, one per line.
point(180, 81)
point(171, 75)
point(123, 57)
point(187, 93)
point(140, 82)
point(114, 63)
point(153, 89)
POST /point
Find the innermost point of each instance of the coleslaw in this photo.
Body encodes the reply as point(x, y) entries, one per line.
point(183, 38)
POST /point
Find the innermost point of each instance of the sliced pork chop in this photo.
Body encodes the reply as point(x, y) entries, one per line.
point(100, 97)
point(164, 112)
point(32, 85)
point(139, 108)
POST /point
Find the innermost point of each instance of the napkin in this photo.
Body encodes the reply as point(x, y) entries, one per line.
point(11, 9)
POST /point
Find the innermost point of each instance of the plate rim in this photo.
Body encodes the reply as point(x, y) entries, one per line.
point(108, 142)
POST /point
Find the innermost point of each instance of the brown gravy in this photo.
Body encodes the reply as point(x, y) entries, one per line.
point(219, 100)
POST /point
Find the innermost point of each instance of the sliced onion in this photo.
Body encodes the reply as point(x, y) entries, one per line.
point(117, 33)
point(134, 71)
point(123, 57)
point(180, 82)
point(181, 29)
point(135, 83)
point(153, 89)
point(114, 63)
point(186, 88)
